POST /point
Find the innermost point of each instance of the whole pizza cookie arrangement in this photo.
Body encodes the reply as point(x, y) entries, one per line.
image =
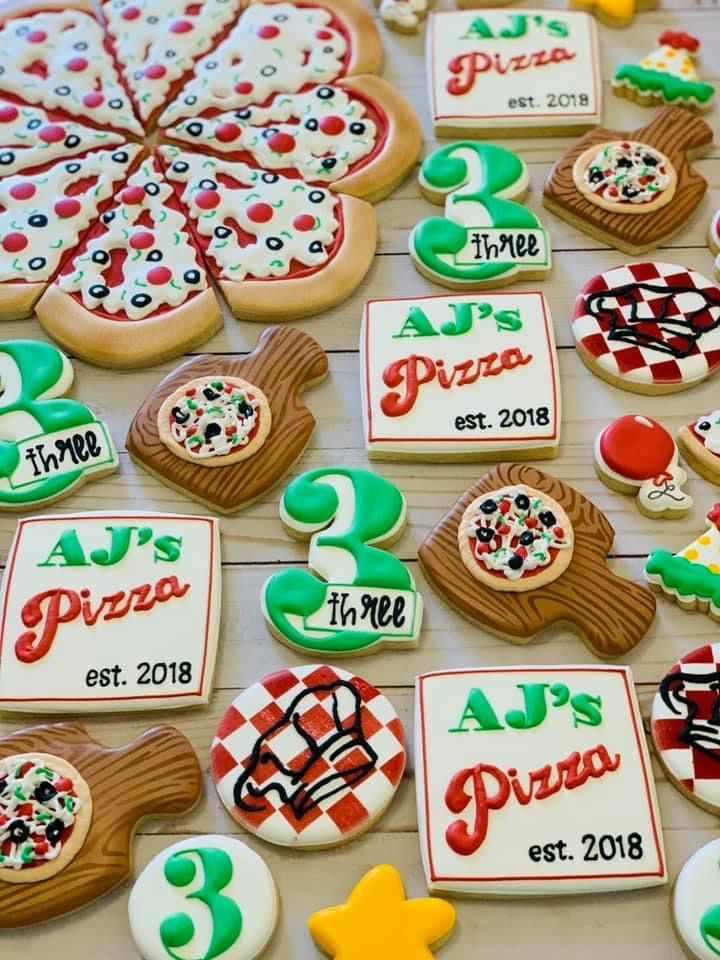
point(276, 135)
point(169, 166)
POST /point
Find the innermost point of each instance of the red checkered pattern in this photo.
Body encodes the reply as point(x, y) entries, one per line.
point(647, 364)
point(695, 770)
point(346, 812)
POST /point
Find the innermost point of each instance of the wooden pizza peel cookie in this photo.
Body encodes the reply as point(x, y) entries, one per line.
point(224, 430)
point(632, 189)
point(545, 565)
point(68, 841)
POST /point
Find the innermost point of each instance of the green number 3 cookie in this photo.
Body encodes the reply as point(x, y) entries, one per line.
point(48, 444)
point(366, 598)
point(487, 237)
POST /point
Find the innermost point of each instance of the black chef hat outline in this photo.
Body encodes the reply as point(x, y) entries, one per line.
point(703, 735)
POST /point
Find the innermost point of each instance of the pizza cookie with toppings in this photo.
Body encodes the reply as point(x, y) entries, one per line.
point(700, 445)
point(69, 808)
point(224, 430)
point(522, 551)
point(637, 455)
point(714, 240)
point(633, 190)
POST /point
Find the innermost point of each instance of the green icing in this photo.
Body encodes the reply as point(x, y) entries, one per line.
point(309, 501)
point(671, 87)
point(710, 927)
point(688, 578)
point(497, 170)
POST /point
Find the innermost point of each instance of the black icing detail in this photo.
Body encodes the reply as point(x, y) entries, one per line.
point(115, 103)
point(181, 166)
point(99, 291)
point(703, 426)
point(268, 71)
point(669, 330)
point(44, 791)
point(280, 17)
point(522, 501)
point(72, 167)
point(6, 158)
point(152, 189)
point(138, 75)
point(270, 177)
point(245, 114)
point(547, 518)
point(192, 276)
point(154, 256)
point(191, 100)
point(170, 54)
point(195, 128)
point(100, 256)
point(34, 123)
point(180, 416)
point(72, 140)
point(63, 90)
point(484, 534)
point(274, 243)
point(327, 163)
point(303, 787)
point(699, 707)
point(108, 216)
point(207, 184)
point(37, 263)
point(210, 394)
point(211, 65)
point(212, 430)
point(120, 156)
point(269, 132)
point(488, 507)
point(316, 196)
point(152, 20)
point(141, 300)
point(18, 831)
point(311, 124)
point(325, 93)
point(80, 46)
point(222, 233)
point(358, 128)
point(316, 247)
point(54, 831)
point(38, 220)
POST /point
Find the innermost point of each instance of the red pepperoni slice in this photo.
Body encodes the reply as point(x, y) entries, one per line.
point(207, 199)
point(323, 35)
point(23, 191)
point(130, 13)
point(159, 275)
point(637, 448)
point(67, 207)
point(281, 142)
point(259, 212)
point(8, 113)
point(142, 240)
point(94, 99)
point(268, 32)
point(155, 71)
point(304, 221)
point(14, 242)
point(36, 36)
point(244, 87)
point(332, 125)
point(52, 133)
point(132, 195)
point(181, 26)
point(227, 132)
point(77, 64)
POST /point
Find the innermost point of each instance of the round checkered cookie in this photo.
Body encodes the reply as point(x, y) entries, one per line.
point(649, 327)
point(308, 757)
point(685, 722)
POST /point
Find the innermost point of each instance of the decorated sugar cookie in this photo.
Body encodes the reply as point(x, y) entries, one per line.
point(136, 291)
point(691, 577)
point(209, 896)
point(495, 72)
point(49, 444)
point(649, 327)
point(441, 377)
point(487, 238)
point(632, 189)
point(224, 430)
point(519, 531)
point(359, 597)
point(613, 13)
point(534, 781)
point(667, 75)
point(308, 757)
point(404, 16)
point(45, 815)
point(379, 921)
point(109, 611)
point(700, 445)
point(714, 240)
point(685, 726)
point(69, 808)
point(637, 455)
point(696, 903)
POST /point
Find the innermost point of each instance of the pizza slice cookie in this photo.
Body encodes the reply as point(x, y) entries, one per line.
point(279, 47)
point(278, 247)
point(136, 292)
point(43, 215)
point(359, 136)
point(700, 445)
point(714, 240)
point(31, 137)
point(57, 59)
point(158, 41)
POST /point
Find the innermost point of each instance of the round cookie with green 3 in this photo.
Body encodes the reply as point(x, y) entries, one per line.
point(363, 597)
point(49, 444)
point(487, 237)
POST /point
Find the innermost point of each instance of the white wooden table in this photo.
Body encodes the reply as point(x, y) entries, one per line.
point(624, 925)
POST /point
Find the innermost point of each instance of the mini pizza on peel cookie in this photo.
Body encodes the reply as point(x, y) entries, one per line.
point(638, 456)
point(700, 445)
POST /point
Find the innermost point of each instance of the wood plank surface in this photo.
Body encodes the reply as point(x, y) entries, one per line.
point(254, 546)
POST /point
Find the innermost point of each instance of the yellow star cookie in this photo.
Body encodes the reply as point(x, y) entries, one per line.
point(378, 921)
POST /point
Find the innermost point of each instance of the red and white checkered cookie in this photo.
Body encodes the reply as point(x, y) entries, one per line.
point(309, 756)
point(683, 348)
point(685, 723)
